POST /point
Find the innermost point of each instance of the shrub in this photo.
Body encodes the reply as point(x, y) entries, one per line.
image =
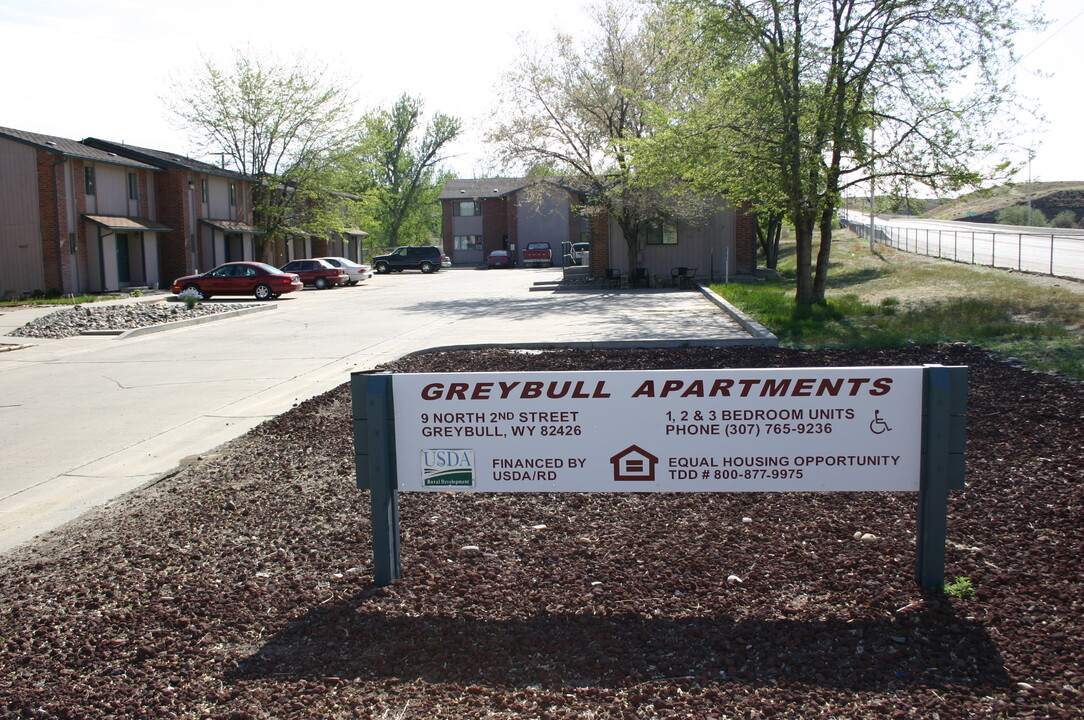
point(961, 588)
point(1064, 219)
point(190, 298)
point(1018, 215)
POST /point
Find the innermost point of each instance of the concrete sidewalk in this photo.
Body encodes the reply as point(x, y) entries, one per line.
point(86, 419)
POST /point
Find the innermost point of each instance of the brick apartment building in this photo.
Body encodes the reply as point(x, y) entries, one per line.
point(482, 215)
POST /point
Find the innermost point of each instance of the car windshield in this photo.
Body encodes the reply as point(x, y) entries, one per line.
point(267, 268)
point(538, 246)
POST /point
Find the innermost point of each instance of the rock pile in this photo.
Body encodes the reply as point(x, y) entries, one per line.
point(82, 318)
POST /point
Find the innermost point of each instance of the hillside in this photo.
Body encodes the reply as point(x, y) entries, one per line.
point(983, 205)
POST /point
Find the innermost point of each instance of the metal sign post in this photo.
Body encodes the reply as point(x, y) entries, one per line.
point(374, 462)
point(944, 420)
point(868, 429)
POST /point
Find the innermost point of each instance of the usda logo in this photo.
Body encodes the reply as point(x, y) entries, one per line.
point(448, 468)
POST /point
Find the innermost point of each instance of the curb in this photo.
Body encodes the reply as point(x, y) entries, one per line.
point(136, 332)
point(751, 326)
point(601, 345)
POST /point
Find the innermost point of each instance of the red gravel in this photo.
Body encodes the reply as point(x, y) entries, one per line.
point(240, 587)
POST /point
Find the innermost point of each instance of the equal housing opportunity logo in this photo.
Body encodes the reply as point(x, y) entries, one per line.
point(448, 468)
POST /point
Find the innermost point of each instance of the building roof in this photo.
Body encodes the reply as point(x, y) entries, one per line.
point(121, 222)
point(457, 189)
point(481, 188)
point(232, 226)
point(71, 148)
point(163, 159)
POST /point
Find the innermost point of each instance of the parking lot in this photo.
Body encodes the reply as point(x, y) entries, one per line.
point(88, 418)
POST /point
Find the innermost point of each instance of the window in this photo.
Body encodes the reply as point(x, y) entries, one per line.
point(133, 187)
point(467, 208)
point(203, 190)
point(88, 179)
point(468, 242)
point(662, 233)
point(233, 194)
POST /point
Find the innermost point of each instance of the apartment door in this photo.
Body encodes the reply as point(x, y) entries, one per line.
point(124, 274)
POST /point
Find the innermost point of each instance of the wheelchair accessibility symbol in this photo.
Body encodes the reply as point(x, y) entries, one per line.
point(877, 425)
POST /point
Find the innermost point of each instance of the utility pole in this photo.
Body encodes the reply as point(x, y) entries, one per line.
point(872, 196)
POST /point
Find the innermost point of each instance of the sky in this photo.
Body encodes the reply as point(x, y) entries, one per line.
point(79, 68)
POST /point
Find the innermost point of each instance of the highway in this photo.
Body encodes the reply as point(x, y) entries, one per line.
point(1054, 251)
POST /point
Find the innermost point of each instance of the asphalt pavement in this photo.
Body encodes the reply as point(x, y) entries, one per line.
point(88, 418)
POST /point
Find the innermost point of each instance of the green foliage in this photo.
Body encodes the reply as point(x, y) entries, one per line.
point(581, 107)
point(395, 169)
point(280, 122)
point(135, 293)
point(1020, 215)
point(960, 588)
point(800, 101)
point(1007, 316)
point(1064, 219)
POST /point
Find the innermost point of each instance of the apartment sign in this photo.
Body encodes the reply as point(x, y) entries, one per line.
point(727, 430)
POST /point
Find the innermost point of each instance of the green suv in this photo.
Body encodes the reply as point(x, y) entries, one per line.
point(427, 258)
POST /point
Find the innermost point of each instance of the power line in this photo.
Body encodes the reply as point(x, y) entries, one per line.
point(1048, 38)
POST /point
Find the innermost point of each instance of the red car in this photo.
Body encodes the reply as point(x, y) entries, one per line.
point(499, 259)
point(263, 281)
point(319, 273)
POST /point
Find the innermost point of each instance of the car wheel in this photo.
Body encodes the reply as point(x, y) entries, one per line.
point(263, 292)
point(381, 268)
point(192, 287)
point(426, 267)
point(320, 284)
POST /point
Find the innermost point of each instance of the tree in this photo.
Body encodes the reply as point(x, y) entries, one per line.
point(397, 165)
point(281, 123)
point(581, 108)
point(1024, 216)
point(799, 87)
point(1064, 219)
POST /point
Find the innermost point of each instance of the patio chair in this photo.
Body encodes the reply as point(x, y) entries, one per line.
point(613, 278)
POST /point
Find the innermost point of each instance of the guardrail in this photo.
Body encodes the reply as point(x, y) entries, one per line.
point(1040, 253)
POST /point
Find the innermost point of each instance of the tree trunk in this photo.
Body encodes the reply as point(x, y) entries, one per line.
point(820, 278)
point(768, 234)
point(803, 246)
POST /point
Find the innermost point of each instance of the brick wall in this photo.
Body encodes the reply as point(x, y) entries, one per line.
point(495, 223)
point(82, 238)
point(53, 218)
point(600, 243)
point(511, 220)
point(446, 226)
point(745, 241)
point(174, 208)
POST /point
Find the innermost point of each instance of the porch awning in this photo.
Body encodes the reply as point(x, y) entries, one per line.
point(232, 226)
point(355, 232)
point(119, 222)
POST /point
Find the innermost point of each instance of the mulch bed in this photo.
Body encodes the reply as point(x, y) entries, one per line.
point(240, 586)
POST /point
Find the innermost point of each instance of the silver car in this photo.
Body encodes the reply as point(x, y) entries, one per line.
point(357, 272)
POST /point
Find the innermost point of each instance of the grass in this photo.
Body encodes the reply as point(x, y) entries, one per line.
point(889, 298)
point(56, 300)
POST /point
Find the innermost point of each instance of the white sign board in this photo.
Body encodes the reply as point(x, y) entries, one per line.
point(748, 430)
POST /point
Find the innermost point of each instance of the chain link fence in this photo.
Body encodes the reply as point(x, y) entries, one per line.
point(1054, 253)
